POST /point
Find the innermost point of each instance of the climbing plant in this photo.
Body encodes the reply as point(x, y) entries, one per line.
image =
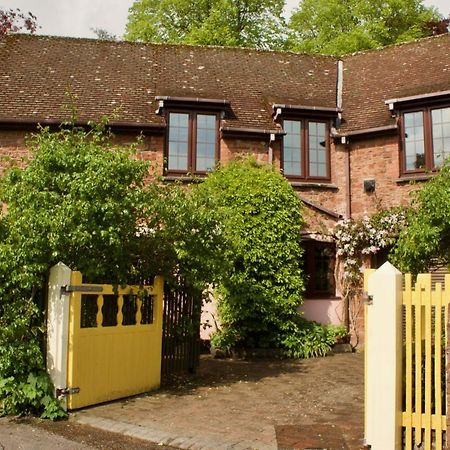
point(357, 239)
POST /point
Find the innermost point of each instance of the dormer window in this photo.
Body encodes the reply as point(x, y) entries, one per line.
point(305, 153)
point(192, 144)
point(306, 149)
point(192, 140)
point(426, 138)
point(425, 130)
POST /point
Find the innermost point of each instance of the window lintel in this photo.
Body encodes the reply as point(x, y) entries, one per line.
point(191, 103)
point(304, 111)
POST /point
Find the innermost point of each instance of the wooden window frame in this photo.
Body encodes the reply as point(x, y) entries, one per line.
point(304, 149)
point(428, 138)
point(310, 270)
point(192, 141)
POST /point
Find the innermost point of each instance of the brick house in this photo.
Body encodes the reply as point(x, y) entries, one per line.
point(349, 134)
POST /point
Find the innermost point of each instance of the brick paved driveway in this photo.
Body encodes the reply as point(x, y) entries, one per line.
point(256, 404)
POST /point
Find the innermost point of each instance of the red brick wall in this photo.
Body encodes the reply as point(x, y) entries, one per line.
point(378, 159)
point(233, 148)
point(13, 148)
point(331, 196)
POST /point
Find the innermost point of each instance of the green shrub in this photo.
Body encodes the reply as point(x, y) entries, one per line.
point(30, 394)
point(78, 200)
point(261, 283)
point(425, 242)
point(308, 339)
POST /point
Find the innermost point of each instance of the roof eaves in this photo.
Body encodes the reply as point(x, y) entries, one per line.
point(412, 98)
point(366, 131)
point(23, 123)
point(319, 109)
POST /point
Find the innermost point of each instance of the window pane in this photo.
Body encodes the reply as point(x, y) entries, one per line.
point(319, 267)
point(317, 149)
point(292, 148)
point(178, 141)
point(322, 269)
point(440, 119)
point(414, 141)
point(206, 142)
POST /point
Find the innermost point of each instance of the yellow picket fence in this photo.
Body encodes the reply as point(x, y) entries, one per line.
point(406, 339)
point(425, 337)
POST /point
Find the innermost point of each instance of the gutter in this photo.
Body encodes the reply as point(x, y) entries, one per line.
point(208, 101)
point(392, 101)
point(115, 125)
point(320, 109)
point(364, 131)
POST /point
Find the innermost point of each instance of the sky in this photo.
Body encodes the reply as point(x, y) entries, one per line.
point(76, 18)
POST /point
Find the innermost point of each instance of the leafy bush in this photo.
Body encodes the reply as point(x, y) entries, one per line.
point(261, 283)
point(306, 339)
point(425, 241)
point(30, 394)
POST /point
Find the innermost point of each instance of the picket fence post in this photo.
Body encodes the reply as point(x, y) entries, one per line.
point(383, 369)
point(58, 326)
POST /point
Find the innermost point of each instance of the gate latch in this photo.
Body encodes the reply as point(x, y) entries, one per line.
point(63, 392)
point(367, 299)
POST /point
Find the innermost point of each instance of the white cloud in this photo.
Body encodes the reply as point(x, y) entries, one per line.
point(75, 18)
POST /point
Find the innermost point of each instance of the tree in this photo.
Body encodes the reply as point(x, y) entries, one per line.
point(338, 27)
point(13, 21)
point(104, 35)
point(262, 286)
point(238, 23)
point(439, 26)
point(426, 241)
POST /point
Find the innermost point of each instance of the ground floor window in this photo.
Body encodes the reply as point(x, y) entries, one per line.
point(319, 263)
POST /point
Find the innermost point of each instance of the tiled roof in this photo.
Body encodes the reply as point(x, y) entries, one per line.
point(123, 78)
point(370, 78)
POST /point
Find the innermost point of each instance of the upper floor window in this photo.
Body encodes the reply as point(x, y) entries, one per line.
point(426, 138)
point(192, 142)
point(306, 149)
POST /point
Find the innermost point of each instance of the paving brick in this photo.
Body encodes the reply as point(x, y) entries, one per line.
point(254, 404)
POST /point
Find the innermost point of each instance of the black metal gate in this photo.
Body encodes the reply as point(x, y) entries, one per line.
point(181, 331)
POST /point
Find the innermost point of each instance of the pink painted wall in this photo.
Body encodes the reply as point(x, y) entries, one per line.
point(326, 311)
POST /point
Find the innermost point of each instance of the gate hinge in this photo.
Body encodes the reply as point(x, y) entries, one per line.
point(63, 392)
point(80, 288)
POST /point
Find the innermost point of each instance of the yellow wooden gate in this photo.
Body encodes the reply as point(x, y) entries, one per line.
point(114, 344)
point(406, 339)
point(425, 337)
